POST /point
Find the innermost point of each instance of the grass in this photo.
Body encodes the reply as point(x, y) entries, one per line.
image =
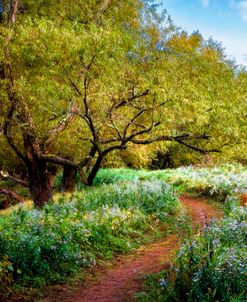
point(217, 182)
point(209, 267)
point(212, 265)
point(125, 209)
point(49, 245)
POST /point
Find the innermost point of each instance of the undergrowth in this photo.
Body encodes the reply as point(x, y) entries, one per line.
point(46, 246)
point(217, 182)
point(210, 266)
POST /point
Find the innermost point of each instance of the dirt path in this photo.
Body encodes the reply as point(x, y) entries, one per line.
point(118, 284)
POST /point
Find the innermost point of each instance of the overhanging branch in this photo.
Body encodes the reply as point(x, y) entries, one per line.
point(7, 133)
point(58, 161)
point(198, 149)
point(181, 139)
point(124, 102)
point(6, 176)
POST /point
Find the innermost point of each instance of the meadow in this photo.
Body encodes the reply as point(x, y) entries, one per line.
point(125, 209)
point(40, 247)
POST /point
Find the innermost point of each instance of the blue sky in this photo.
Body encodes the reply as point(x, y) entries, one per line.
point(223, 20)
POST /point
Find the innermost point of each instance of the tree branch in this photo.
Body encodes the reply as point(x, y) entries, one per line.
point(116, 147)
point(179, 139)
point(58, 161)
point(130, 99)
point(61, 126)
point(6, 176)
point(198, 149)
point(132, 120)
point(14, 11)
point(144, 131)
point(7, 134)
point(76, 88)
point(12, 195)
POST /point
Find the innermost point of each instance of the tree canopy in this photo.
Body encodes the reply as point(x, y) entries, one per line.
point(80, 80)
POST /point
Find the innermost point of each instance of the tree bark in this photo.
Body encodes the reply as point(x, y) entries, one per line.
point(94, 170)
point(68, 179)
point(39, 181)
point(5, 204)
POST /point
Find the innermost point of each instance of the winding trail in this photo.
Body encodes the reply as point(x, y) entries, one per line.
point(119, 283)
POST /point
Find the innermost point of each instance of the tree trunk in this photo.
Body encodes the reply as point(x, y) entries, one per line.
point(52, 171)
point(39, 180)
point(94, 170)
point(68, 179)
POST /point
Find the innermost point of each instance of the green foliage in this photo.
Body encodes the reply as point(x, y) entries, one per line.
point(109, 176)
point(151, 197)
point(92, 56)
point(46, 246)
point(212, 266)
point(220, 182)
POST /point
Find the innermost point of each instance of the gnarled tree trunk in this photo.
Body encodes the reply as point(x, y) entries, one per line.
point(39, 182)
point(68, 179)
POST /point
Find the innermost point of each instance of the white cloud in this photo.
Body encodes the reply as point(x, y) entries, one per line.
point(205, 3)
point(241, 6)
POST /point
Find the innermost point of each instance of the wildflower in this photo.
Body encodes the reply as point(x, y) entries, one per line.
point(163, 283)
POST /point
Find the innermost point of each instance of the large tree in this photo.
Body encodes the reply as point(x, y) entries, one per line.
point(79, 82)
point(41, 42)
